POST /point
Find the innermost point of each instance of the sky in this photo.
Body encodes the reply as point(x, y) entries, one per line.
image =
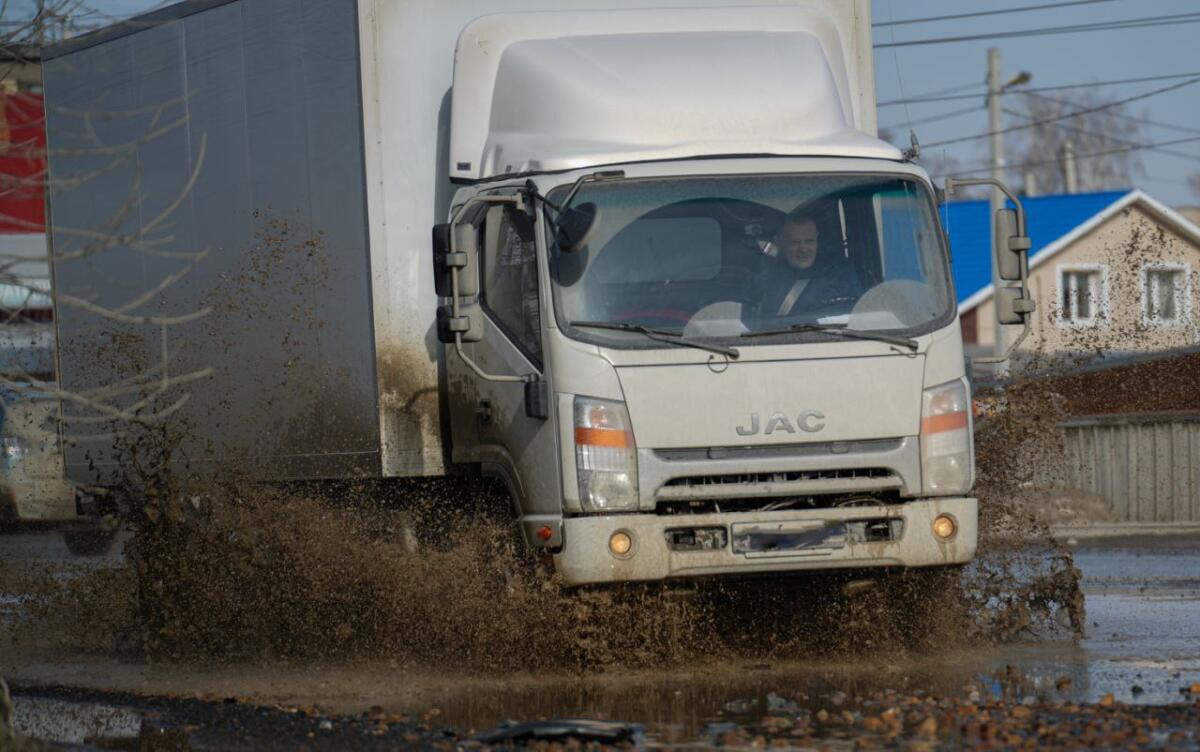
point(1053, 60)
point(1064, 59)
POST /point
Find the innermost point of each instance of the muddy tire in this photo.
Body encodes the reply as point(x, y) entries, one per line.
point(92, 542)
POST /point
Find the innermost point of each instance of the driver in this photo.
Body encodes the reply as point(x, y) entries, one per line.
point(809, 277)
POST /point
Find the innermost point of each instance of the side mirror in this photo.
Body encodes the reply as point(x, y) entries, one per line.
point(1012, 307)
point(1011, 249)
point(1009, 245)
point(469, 323)
point(441, 249)
point(466, 260)
point(576, 226)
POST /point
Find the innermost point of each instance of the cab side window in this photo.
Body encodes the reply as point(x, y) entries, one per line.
point(510, 278)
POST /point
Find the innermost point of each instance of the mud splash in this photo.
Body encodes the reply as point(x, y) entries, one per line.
point(1024, 583)
point(344, 572)
point(429, 574)
point(333, 572)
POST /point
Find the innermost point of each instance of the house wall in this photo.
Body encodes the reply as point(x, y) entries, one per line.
point(970, 327)
point(1121, 248)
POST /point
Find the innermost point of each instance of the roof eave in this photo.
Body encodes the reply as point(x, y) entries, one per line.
point(1097, 219)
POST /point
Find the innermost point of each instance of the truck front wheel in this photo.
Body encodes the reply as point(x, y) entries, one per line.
point(89, 542)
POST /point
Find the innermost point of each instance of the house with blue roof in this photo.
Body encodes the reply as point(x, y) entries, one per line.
point(1111, 272)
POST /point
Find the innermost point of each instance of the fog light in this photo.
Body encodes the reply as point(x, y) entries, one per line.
point(944, 527)
point(620, 544)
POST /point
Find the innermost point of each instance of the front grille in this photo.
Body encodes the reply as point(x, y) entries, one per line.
point(778, 490)
point(741, 506)
point(780, 451)
point(793, 476)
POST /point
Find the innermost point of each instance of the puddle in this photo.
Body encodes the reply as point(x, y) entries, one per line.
point(829, 704)
point(62, 722)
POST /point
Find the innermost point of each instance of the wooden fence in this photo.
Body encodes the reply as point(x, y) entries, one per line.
point(1147, 466)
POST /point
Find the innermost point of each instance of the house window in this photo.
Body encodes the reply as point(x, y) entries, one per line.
point(1166, 294)
point(1081, 295)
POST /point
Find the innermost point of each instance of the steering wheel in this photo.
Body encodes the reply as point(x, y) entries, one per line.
point(670, 314)
point(741, 285)
point(848, 301)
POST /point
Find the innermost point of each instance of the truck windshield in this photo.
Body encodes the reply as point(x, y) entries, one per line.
point(721, 258)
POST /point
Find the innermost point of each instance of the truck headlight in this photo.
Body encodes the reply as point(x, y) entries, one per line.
point(605, 456)
point(947, 466)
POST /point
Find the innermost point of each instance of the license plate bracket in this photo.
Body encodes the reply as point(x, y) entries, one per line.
point(767, 540)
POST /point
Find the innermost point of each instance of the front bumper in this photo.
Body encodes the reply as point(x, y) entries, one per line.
point(585, 557)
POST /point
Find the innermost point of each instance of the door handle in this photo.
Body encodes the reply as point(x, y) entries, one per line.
point(483, 412)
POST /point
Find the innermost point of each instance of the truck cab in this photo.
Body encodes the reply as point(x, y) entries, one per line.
point(698, 320)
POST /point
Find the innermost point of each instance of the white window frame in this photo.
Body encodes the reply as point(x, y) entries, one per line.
point(1100, 313)
point(1183, 306)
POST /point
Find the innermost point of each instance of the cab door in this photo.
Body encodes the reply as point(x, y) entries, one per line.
point(522, 449)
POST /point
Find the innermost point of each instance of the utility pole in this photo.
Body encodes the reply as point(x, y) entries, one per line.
point(997, 198)
point(998, 201)
point(1070, 176)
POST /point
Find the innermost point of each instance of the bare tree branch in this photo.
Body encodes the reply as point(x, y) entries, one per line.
point(1039, 150)
point(128, 319)
point(23, 382)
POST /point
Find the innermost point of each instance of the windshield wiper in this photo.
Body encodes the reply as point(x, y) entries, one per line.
point(660, 335)
point(837, 330)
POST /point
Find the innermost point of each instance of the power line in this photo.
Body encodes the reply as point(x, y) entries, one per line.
point(1166, 181)
point(1123, 116)
point(954, 90)
point(1022, 9)
point(939, 116)
point(1113, 139)
point(1060, 87)
point(1094, 155)
point(896, 60)
point(1156, 123)
point(1116, 82)
point(1085, 111)
point(1130, 23)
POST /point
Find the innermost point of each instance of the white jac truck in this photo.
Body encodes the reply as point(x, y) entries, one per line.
point(647, 263)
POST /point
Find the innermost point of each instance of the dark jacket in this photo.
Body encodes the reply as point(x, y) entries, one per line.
point(829, 281)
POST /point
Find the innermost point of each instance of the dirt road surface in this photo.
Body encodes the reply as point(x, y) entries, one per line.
point(1134, 681)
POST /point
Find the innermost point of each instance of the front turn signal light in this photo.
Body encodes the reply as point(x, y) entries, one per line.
point(947, 450)
point(605, 456)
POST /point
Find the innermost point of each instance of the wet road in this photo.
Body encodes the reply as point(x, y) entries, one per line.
point(1143, 603)
point(1143, 648)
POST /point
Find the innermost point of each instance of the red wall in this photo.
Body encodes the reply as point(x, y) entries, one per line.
point(22, 163)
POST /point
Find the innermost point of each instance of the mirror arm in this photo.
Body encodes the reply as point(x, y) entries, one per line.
point(533, 193)
point(951, 185)
point(458, 347)
point(559, 210)
point(454, 287)
point(594, 177)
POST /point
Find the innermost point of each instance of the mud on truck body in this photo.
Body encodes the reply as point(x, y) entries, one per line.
point(604, 319)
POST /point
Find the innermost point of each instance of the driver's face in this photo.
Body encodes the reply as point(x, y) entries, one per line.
point(797, 243)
